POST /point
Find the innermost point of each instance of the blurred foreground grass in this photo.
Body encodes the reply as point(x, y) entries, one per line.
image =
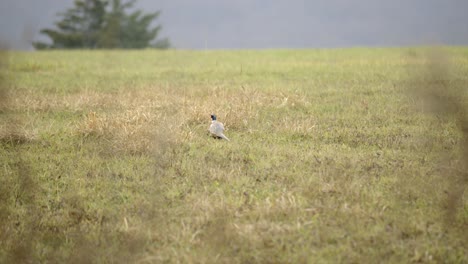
point(333, 157)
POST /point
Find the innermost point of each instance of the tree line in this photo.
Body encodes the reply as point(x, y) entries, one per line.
point(104, 24)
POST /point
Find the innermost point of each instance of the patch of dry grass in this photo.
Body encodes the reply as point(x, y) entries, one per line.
point(129, 132)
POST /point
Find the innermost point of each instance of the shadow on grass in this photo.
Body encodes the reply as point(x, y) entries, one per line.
point(439, 93)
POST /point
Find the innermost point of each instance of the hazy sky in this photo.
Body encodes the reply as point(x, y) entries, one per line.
point(253, 24)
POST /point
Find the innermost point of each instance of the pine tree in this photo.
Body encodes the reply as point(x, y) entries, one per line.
point(93, 24)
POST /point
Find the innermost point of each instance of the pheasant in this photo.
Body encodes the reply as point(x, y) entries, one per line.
point(217, 128)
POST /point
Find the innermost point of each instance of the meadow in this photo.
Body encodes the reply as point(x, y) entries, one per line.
point(336, 156)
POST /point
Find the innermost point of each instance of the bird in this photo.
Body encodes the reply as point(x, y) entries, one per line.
point(217, 128)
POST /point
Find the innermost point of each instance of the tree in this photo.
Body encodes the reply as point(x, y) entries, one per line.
point(94, 24)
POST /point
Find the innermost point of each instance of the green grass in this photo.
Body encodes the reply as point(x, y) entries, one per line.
point(334, 156)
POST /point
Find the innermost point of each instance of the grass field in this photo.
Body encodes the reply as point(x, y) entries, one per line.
point(336, 156)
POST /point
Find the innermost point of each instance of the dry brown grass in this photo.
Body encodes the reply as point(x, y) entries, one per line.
point(13, 132)
point(131, 131)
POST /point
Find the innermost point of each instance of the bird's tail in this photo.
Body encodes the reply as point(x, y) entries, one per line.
point(224, 137)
